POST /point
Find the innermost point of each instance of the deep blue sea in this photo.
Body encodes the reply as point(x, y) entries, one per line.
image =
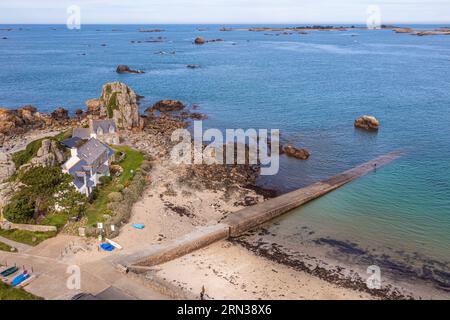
point(311, 87)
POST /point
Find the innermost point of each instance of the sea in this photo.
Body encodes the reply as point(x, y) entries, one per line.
point(309, 86)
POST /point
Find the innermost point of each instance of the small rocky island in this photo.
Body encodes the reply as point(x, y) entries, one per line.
point(367, 123)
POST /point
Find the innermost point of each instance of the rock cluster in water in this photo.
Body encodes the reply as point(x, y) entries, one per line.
point(367, 123)
point(291, 151)
point(199, 40)
point(166, 106)
point(126, 69)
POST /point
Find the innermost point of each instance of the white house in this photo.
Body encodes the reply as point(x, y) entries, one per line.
point(88, 162)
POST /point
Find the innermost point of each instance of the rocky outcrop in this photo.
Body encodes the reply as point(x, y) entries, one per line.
point(118, 102)
point(367, 123)
point(48, 155)
point(7, 167)
point(126, 69)
point(18, 121)
point(60, 114)
point(199, 40)
point(94, 106)
point(193, 115)
point(7, 190)
point(291, 151)
point(167, 106)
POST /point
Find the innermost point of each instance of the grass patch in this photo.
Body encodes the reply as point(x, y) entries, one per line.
point(21, 157)
point(5, 247)
point(28, 237)
point(130, 164)
point(10, 293)
point(54, 219)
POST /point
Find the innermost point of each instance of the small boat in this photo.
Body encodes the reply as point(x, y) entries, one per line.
point(138, 226)
point(9, 271)
point(20, 278)
point(26, 281)
point(107, 247)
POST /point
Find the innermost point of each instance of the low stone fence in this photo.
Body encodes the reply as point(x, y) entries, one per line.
point(6, 225)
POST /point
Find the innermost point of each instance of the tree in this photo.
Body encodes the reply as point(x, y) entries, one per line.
point(20, 209)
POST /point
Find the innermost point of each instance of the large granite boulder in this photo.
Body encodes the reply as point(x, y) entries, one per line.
point(7, 167)
point(199, 40)
point(118, 102)
point(367, 123)
point(126, 69)
point(60, 114)
point(48, 155)
point(291, 151)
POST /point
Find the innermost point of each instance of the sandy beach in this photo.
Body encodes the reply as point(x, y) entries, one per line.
point(228, 271)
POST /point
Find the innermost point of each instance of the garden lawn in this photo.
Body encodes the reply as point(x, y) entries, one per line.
point(130, 164)
point(24, 236)
point(10, 293)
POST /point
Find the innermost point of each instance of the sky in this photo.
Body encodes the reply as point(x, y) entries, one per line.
point(224, 11)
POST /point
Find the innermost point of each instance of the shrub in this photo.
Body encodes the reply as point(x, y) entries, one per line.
point(19, 210)
point(94, 195)
point(115, 197)
point(120, 187)
point(104, 180)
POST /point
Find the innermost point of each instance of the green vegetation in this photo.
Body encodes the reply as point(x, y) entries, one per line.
point(48, 192)
point(55, 219)
point(108, 89)
point(22, 157)
point(27, 237)
point(5, 247)
point(130, 164)
point(112, 105)
point(10, 293)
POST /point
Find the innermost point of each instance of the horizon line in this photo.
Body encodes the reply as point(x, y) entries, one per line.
point(233, 23)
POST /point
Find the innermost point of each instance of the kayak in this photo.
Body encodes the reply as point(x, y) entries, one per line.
point(9, 271)
point(107, 247)
point(138, 226)
point(26, 281)
point(19, 279)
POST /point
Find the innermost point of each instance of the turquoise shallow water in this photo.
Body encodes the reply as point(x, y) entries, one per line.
point(310, 86)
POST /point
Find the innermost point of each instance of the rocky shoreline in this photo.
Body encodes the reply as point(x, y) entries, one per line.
point(334, 276)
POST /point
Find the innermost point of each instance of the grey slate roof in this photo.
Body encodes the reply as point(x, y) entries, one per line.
point(104, 124)
point(82, 133)
point(71, 142)
point(93, 150)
